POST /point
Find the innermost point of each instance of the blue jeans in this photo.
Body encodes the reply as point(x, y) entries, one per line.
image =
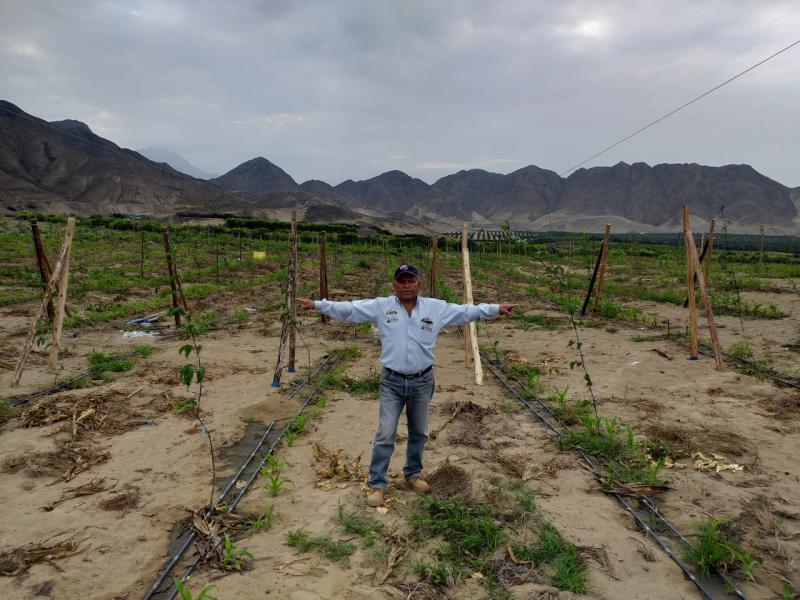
point(398, 392)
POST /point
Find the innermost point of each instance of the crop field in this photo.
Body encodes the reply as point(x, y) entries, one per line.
point(592, 441)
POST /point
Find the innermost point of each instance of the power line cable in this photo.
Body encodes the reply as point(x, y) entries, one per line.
point(680, 108)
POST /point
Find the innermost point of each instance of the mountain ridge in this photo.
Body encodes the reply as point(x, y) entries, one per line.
point(62, 166)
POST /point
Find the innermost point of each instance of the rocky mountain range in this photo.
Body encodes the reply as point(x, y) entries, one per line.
point(63, 166)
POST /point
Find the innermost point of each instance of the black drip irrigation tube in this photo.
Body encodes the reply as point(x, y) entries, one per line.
point(557, 428)
point(331, 360)
point(744, 365)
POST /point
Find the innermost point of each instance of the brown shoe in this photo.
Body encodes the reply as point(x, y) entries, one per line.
point(375, 497)
point(419, 485)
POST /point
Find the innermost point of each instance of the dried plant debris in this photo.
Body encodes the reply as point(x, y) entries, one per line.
point(124, 501)
point(714, 462)
point(105, 414)
point(394, 549)
point(448, 480)
point(419, 590)
point(466, 432)
point(785, 407)
point(64, 463)
point(464, 410)
point(475, 412)
point(701, 439)
point(335, 464)
point(763, 514)
point(95, 486)
point(549, 468)
point(16, 561)
point(215, 534)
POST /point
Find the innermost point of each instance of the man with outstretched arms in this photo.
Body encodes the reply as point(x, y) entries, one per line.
point(408, 325)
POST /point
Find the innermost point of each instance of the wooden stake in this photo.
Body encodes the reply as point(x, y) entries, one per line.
point(61, 301)
point(172, 278)
point(51, 283)
point(470, 334)
point(323, 272)
point(591, 282)
point(690, 276)
point(291, 293)
point(712, 327)
point(434, 266)
point(44, 266)
point(603, 260)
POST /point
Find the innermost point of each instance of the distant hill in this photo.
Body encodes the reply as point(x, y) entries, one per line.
point(174, 160)
point(63, 166)
point(257, 176)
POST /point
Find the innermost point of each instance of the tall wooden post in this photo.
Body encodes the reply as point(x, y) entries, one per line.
point(592, 282)
point(48, 291)
point(690, 276)
point(44, 266)
point(292, 294)
point(61, 300)
point(712, 327)
point(173, 277)
point(434, 275)
point(603, 260)
point(323, 272)
point(470, 333)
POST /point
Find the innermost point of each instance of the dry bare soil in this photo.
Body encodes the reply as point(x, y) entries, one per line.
point(104, 473)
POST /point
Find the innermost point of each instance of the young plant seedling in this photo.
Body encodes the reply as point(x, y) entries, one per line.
point(186, 593)
point(233, 558)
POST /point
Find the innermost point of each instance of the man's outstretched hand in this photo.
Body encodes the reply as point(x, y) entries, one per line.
point(306, 303)
point(507, 309)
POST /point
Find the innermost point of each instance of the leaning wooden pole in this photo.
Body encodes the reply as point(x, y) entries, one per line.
point(470, 333)
point(712, 326)
point(434, 265)
point(61, 300)
point(591, 282)
point(48, 291)
point(323, 272)
point(291, 295)
point(690, 278)
point(173, 285)
point(43, 264)
point(603, 260)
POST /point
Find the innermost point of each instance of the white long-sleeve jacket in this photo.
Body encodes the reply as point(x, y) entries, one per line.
point(407, 341)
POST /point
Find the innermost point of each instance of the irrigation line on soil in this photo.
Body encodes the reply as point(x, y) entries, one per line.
point(592, 464)
point(328, 364)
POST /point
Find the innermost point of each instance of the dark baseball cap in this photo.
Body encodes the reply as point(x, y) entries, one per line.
point(406, 270)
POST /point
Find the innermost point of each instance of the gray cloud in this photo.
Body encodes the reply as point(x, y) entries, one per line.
point(349, 89)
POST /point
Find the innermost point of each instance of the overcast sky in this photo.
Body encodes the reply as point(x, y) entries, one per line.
point(349, 89)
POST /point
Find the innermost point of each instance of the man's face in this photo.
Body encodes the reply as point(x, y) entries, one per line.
point(406, 287)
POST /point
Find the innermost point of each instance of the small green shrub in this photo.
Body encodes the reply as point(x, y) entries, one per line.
point(716, 550)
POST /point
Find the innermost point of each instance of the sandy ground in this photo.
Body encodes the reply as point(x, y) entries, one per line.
point(161, 457)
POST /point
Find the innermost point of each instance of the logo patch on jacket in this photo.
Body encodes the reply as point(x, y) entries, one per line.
point(427, 324)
